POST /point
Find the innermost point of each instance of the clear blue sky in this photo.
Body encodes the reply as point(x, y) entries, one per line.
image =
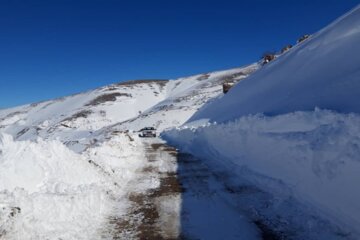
point(53, 48)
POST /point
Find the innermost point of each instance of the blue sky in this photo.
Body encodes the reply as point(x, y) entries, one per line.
point(59, 47)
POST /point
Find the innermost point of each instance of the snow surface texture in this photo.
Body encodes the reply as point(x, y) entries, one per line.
point(267, 123)
point(322, 72)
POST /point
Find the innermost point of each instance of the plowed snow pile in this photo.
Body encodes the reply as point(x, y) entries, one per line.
point(49, 192)
point(42, 166)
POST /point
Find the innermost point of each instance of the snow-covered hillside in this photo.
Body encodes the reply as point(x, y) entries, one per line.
point(162, 103)
point(322, 72)
point(75, 117)
point(184, 97)
point(293, 126)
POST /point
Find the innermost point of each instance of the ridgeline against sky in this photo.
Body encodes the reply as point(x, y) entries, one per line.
point(55, 48)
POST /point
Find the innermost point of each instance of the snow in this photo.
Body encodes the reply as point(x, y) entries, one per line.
point(60, 193)
point(184, 97)
point(52, 187)
point(47, 165)
point(78, 114)
point(322, 72)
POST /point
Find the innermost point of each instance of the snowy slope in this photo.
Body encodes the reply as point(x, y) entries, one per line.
point(184, 97)
point(322, 72)
point(75, 117)
point(293, 126)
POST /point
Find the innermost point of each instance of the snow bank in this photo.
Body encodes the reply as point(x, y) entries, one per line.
point(46, 188)
point(41, 166)
point(316, 154)
point(322, 71)
point(49, 192)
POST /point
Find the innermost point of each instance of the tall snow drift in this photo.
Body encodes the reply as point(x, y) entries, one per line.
point(323, 72)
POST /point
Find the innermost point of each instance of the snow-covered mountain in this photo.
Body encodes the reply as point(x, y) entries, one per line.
point(122, 106)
